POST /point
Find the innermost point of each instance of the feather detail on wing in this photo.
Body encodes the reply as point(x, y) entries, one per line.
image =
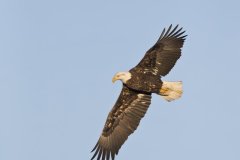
point(122, 121)
point(161, 58)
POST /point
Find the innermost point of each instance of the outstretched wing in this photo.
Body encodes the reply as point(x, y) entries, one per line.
point(122, 121)
point(161, 58)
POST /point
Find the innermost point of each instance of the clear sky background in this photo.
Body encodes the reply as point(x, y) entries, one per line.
point(57, 59)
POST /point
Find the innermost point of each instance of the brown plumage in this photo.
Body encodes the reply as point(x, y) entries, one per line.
point(138, 85)
point(161, 58)
point(123, 120)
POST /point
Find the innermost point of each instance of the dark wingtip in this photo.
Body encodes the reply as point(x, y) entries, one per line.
point(169, 29)
point(183, 37)
point(113, 155)
point(172, 33)
point(104, 154)
point(100, 154)
point(162, 34)
point(96, 152)
point(94, 147)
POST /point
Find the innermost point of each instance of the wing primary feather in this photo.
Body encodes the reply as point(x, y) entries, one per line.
point(169, 28)
point(108, 155)
point(112, 146)
point(174, 35)
point(96, 152)
point(100, 154)
point(162, 34)
point(109, 143)
point(183, 37)
point(95, 147)
point(173, 31)
point(117, 152)
point(116, 140)
point(179, 34)
point(113, 155)
point(104, 154)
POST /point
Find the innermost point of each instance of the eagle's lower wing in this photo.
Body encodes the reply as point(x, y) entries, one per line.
point(161, 58)
point(122, 121)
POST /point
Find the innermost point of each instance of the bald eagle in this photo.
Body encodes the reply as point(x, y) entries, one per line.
point(138, 85)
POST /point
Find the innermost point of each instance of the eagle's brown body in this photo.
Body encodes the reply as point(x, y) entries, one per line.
point(147, 82)
point(138, 85)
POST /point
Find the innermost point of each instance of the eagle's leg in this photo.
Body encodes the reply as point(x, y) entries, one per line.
point(171, 90)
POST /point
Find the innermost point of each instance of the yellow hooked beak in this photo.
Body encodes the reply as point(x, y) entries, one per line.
point(114, 79)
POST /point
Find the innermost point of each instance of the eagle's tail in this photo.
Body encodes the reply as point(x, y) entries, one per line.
point(171, 90)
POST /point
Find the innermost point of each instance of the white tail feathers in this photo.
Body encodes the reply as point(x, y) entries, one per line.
point(171, 90)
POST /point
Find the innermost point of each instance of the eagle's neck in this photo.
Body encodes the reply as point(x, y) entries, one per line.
point(126, 77)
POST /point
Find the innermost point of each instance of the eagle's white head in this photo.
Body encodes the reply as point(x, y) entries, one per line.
point(123, 76)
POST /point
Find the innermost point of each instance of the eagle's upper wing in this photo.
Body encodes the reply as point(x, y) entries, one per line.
point(122, 121)
point(161, 58)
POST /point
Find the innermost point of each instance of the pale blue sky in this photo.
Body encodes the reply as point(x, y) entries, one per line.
point(57, 59)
